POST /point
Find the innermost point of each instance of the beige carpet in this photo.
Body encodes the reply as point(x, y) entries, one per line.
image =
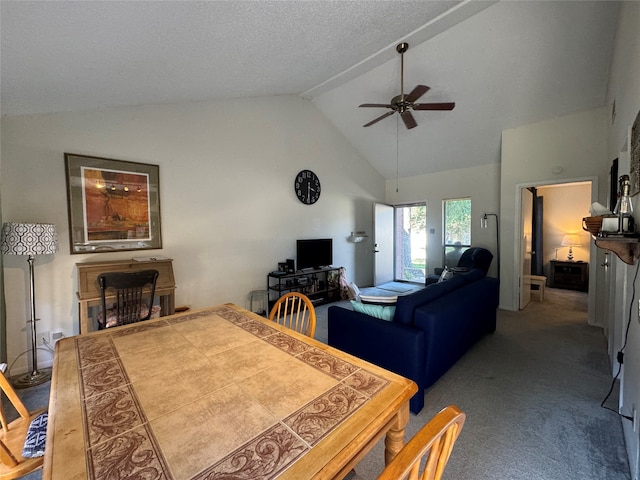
point(532, 394)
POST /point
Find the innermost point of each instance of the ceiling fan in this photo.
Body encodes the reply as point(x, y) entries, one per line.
point(403, 104)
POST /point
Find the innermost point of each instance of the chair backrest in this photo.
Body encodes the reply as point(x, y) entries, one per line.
point(435, 440)
point(294, 310)
point(476, 257)
point(134, 292)
point(13, 434)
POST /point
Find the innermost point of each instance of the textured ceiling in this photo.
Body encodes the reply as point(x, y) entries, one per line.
point(504, 64)
point(512, 64)
point(78, 55)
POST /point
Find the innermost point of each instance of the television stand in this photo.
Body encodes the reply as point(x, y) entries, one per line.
point(321, 285)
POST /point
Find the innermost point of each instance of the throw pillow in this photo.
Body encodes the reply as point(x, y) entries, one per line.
point(354, 291)
point(36, 437)
point(378, 300)
point(445, 275)
point(377, 311)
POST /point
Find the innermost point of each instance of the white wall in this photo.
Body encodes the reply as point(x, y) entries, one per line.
point(229, 214)
point(481, 184)
point(624, 88)
point(575, 143)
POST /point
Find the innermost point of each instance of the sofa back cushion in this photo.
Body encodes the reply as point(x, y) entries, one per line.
point(406, 304)
point(472, 275)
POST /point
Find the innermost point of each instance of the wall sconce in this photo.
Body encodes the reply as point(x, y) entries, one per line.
point(357, 237)
point(570, 240)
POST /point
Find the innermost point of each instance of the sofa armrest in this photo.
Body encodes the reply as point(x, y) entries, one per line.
point(393, 346)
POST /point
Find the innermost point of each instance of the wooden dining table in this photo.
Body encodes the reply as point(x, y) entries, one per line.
point(216, 393)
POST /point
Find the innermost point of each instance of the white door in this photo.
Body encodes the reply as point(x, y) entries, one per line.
point(526, 227)
point(383, 244)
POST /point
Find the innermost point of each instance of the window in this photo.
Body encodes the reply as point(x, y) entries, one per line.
point(410, 242)
point(457, 229)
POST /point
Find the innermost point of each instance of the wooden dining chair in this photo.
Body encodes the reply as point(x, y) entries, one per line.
point(14, 434)
point(435, 441)
point(294, 310)
point(134, 292)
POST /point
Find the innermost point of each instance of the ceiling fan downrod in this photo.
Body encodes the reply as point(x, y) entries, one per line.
point(401, 48)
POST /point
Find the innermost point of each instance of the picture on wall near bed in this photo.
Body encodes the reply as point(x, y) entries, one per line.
point(114, 205)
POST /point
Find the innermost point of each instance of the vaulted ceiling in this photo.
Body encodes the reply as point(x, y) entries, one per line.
point(504, 64)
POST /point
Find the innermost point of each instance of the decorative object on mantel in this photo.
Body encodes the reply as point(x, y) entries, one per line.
point(624, 241)
point(570, 240)
point(592, 224)
point(30, 239)
point(357, 237)
point(624, 209)
point(114, 205)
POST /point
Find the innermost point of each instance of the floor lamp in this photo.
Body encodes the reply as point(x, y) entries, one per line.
point(30, 239)
point(484, 223)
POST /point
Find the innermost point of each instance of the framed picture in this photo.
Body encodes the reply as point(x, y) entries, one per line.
point(634, 156)
point(114, 205)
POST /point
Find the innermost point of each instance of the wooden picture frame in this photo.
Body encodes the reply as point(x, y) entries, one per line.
point(113, 205)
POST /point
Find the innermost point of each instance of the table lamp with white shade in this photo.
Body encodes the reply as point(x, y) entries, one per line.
point(30, 239)
point(571, 240)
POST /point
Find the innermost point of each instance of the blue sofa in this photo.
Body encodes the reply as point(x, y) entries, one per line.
point(430, 330)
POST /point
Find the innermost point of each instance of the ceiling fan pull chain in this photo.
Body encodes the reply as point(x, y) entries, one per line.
point(397, 150)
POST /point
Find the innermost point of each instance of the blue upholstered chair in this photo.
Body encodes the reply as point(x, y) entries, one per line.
point(472, 257)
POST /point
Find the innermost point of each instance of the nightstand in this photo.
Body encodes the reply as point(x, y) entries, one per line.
point(569, 275)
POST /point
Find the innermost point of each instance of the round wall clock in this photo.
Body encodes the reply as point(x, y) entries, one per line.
point(307, 187)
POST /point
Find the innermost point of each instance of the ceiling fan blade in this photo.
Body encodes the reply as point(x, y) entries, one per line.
point(434, 106)
point(376, 120)
point(416, 93)
point(381, 105)
point(408, 120)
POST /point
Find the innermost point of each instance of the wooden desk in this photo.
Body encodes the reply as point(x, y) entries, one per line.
point(219, 390)
point(89, 289)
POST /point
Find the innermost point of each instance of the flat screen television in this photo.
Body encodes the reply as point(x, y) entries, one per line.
point(314, 253)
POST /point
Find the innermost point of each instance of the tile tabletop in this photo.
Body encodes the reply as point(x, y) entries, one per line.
point(209, 394)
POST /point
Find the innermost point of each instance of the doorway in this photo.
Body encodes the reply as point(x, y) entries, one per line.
point(565, 204)
point(400, 243)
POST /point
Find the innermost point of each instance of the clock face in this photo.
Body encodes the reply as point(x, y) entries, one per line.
point(307, 187)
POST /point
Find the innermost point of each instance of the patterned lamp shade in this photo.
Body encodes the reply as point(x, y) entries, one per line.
point(29, 239)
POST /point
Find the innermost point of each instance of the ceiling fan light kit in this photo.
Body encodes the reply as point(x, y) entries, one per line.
point(403, 104)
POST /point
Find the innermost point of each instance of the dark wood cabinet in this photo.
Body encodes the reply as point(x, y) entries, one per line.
point(569, 275)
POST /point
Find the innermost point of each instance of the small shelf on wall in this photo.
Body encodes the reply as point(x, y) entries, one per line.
point(626, 248)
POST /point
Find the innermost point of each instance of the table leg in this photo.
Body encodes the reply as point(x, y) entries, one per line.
point(394, 440)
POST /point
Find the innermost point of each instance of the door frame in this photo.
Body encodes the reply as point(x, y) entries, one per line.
point(591, 316)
